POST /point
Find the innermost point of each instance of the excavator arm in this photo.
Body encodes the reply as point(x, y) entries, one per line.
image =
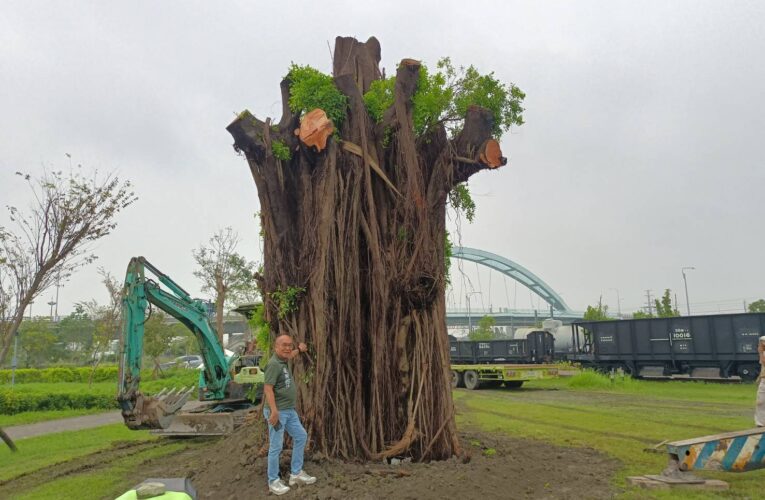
point(139, 294)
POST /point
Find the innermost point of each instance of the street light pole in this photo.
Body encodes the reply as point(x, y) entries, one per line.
point(685, 281)
point(470, 323)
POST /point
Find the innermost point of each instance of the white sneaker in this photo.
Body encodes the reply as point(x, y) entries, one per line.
point(277, 487)
point(301, 478)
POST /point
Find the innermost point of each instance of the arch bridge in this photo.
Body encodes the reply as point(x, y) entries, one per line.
point(557, 307)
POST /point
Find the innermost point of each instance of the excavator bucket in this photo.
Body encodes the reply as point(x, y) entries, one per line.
point(199, 424)
point(156, 412)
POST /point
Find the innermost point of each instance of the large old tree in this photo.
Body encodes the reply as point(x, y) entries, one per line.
point(353, 187)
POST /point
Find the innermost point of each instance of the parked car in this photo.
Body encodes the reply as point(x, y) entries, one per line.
point(191, 361)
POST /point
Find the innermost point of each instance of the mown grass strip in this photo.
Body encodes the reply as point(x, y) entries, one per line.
point(712, 392)
point(38, 452)
point(109, 481)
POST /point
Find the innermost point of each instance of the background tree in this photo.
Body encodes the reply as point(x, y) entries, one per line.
point(75, 332)
point(106, 320)
point(664, 307)
point(353, 184)
point(225, 274)
point(54, 237)
point(39, 343)
point(485, 330)
point(599, 313)
point(157, 337)
point(757, 306)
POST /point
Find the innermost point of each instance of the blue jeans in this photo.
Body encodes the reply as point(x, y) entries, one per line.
point(291, 423)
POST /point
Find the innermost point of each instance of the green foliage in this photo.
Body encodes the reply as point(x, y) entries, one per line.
point(379, 97)
point(757, 306)
point(43, 397)
point(76, 393)
point(287, 300)
point(310, 89)
point(281, 150)
point(58, 375)
point(444, 96)
point(461, 201)
point(664, 307)
point(262, 331)
point(485, 330)
point(642, 315)
point(432, 99)
point(599, 313)
point(157, 337)
point(76, 333)
point(473, 88)
point(38, 342)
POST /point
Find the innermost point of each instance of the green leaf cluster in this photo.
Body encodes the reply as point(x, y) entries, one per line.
point(379, 97)
point(281, 150)
point(599, 313)
point(287, 300)
point(485, 330)
point(461, 201)
point(262, 331)
point(311, 89)
point(757, 306)
point(504, 101)
point(444, 96)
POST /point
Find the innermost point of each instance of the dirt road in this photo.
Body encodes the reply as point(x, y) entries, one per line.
point(63, 424)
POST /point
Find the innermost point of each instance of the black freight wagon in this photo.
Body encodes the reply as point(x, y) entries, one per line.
point(720, 345)
point(537, 347)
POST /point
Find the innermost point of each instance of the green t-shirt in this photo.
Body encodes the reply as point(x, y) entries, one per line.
point(278, 374)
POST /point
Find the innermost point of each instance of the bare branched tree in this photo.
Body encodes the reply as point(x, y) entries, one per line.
point(54, 237)
point(225, 274)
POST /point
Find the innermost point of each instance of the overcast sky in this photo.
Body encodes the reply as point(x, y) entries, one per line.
point(642, 150)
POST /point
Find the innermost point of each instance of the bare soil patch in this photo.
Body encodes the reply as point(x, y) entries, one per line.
point(499, 467)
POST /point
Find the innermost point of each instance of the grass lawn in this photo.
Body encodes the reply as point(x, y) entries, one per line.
point(109, 481)
point(619, 419)
point(42, 451)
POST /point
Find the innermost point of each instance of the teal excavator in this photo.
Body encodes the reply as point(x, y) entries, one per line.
point(225, 381)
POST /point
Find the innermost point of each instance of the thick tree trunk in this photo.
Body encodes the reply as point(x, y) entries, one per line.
point(360, 227)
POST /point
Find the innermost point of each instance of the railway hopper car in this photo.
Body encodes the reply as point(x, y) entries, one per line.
point(699, 347)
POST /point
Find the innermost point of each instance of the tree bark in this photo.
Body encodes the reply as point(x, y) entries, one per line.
point(360, 227)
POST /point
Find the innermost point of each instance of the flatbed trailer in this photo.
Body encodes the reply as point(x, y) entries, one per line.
point(475, 376)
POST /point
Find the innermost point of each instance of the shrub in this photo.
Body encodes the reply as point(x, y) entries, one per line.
point(60, 374)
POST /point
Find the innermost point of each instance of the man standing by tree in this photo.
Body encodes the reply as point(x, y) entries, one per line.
point(281, 396)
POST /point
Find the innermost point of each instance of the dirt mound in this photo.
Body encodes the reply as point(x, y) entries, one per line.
point(499, 467)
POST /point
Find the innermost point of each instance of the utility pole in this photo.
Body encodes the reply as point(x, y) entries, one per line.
point(650, 304)
point(58, 285)
point(470, 323)
point(685, 281)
